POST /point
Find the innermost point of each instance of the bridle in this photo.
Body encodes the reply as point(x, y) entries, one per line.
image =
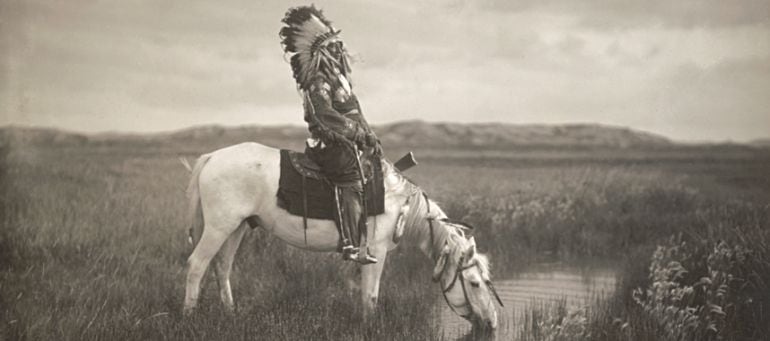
point(459, 275)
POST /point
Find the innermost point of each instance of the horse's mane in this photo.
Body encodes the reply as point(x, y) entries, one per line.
point(484, 265)
point(416, 218)
point(396, 182)
point(416, 225)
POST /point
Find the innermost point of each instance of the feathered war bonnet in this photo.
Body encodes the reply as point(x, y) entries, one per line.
point(306, 36)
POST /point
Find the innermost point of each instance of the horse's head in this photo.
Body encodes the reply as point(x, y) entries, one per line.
point(464, 277)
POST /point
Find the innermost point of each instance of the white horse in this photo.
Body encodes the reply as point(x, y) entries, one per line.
point(241, 181)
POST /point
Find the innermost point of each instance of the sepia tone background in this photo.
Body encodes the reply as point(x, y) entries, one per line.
point(612, 155)
point(690, 70)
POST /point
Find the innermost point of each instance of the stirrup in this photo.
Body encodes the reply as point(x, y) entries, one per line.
point(349, 252)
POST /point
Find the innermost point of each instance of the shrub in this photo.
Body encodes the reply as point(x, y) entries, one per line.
point(690, 302)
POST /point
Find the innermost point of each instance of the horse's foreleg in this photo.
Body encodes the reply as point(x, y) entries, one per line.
point(207, 247)
point(370, 280)
point(223, 265)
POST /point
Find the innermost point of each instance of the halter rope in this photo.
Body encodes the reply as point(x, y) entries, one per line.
point(458, 274)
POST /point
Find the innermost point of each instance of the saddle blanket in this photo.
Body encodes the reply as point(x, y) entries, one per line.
point(301, 176)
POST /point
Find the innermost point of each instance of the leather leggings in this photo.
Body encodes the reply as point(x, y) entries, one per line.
point(352, 208)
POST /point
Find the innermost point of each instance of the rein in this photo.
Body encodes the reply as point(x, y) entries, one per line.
point(458, 274)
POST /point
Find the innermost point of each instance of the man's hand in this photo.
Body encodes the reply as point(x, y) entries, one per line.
point(378, 150)
point(373, 143)
point(360, 136)
point(371, 140)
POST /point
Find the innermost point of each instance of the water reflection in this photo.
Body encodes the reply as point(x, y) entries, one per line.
point(572, 287)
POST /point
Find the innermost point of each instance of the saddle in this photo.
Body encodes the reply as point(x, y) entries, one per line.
point(304, 191)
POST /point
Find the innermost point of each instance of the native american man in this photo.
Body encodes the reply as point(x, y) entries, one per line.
point(341, 140)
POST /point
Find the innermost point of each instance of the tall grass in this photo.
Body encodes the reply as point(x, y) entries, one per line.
point(93, 246)
point(628, 214)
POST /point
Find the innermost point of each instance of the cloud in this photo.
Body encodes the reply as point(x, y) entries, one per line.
point(113, 62)
point(142, 65)
point(605, 14)
point(727, 99)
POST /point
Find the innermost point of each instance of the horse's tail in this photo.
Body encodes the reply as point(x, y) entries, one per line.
point(193, 194)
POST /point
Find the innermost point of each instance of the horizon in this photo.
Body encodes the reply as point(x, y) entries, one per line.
point(691, 72)
point(375, 125)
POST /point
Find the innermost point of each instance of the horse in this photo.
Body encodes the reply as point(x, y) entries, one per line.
point(238, 183)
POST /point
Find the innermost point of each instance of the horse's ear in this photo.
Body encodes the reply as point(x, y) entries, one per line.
point(441, 262)
point(465, 225)
point(461, 224)
point(472, 249)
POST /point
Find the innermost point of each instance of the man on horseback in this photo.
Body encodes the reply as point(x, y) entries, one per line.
point(341, 143)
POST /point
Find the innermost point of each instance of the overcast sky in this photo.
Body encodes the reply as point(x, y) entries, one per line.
point(687, 69)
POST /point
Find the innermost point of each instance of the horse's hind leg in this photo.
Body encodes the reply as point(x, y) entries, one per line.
point(223, 264)
point(199, 260)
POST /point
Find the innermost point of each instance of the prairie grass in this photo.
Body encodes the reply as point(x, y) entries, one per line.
point(717, 282)
point(94, 248)
point(93, 245)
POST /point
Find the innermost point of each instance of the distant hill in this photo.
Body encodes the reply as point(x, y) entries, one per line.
point(764, 143)
point(39, 136)
point(421, 133)
point(401, 134)
point(406, 134)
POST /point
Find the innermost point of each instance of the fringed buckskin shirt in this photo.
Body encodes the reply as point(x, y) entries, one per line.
point(334, 117)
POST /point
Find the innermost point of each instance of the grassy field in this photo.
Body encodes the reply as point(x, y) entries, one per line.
point(93, 246)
